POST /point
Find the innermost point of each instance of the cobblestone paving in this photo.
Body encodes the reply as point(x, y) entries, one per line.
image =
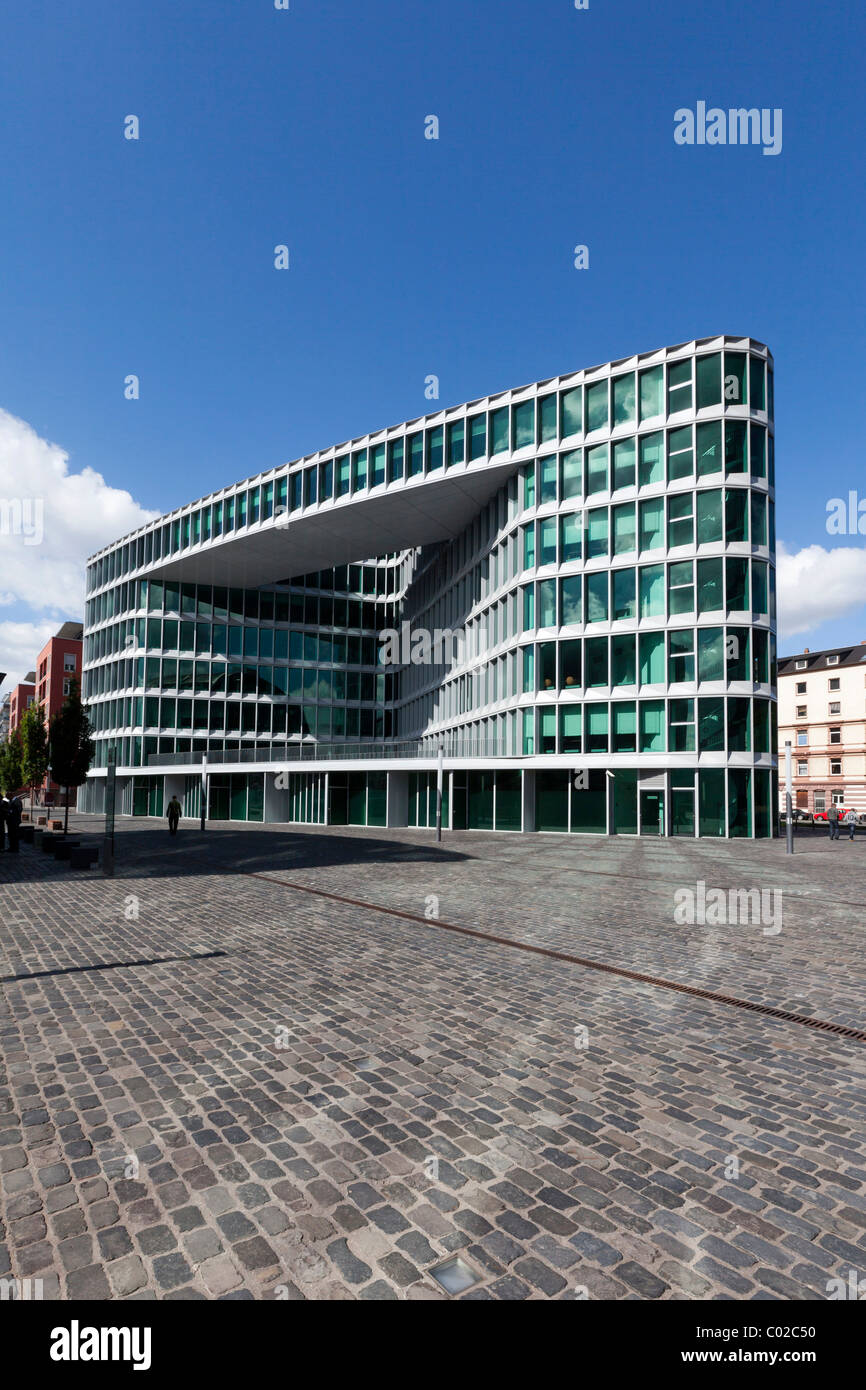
point(330, 1100)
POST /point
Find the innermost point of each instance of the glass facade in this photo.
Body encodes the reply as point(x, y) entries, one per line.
point(610, 612)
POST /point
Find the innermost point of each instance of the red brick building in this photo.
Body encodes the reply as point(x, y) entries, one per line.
point(20, 699)
point(58, 666)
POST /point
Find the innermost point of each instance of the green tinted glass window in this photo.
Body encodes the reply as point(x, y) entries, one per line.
point(622, 658)
point(596, 405)
point(652, 658)
point(435, 448)
point(652, 459)
point(736, 514)
point(760, 599)
point(596, 533)
point(416, 454)
point(681, 589)
point(595, 661)
point(570, 405)
point(499, 430)
point(569, 662)
point(680, 386)
point(711, 724)
point(651, 389)
point(708, 383)
point(570, 537)
point(711, 654)
point(758, 451)
point(624, 719)
point(570, 596)
point(652, 726)
point(343, 475)
point(596, 597)
point(596, 729)
point(523, 425)
point(478, 437)
point(624, 530)
point(571, 470)
point(624, 404)
point(736, 574)
point(395, 460)
point(546, 418)
point(547, 603)
point(624, 463)
point(710, 588)
point(528, 475)
point(757, 399)
point(758, 507)
point(456, 442)
point(624, 601)
point(378, 464)
point(735, 378)
point(709, 516)
point(547, 479)
point(596, 469)
point(739, 725)
point(709, 448)
point(681, 726)
point(681, 655)
point(359, 470)
point(569, 728)
point(681, 459)
point(681, 525)
point(528, 545)
point(735, 446)
point(547, 541)
point(652, 591)
point(652, 523)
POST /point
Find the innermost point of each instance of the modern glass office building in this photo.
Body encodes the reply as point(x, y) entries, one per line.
point(568, 587)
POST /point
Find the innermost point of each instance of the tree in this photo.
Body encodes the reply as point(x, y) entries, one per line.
point(34, 748)
point(11, 774)
point(71, 745)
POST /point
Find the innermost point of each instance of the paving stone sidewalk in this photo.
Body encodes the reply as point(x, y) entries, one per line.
point(283, 1096)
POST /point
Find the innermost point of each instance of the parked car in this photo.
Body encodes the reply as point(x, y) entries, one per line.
point(843, 811)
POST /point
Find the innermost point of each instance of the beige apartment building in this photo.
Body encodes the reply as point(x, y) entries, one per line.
point(822, 710)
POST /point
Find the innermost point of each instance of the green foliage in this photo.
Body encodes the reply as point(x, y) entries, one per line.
point(70, 742)
point(34, 746)
point(11, 771)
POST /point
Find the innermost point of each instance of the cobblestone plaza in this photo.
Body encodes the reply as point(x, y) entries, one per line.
point(258, 1063)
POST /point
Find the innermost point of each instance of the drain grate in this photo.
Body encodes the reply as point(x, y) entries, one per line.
point(106, 965)
point(784, 1015)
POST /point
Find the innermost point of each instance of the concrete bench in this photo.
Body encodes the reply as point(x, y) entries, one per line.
point(82, 856)
point(40, 820)
point(56, 824)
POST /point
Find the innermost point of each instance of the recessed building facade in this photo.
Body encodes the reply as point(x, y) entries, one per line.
point(569, 588)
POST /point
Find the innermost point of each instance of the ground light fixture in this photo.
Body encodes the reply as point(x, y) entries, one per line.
point(454, 1275)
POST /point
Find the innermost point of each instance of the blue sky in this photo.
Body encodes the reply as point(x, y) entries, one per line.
point(411, 256)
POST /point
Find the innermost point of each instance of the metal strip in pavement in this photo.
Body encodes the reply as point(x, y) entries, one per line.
point(785, 1015)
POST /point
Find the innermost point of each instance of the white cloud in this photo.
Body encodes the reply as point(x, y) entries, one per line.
point(50, 520)
point(817, 585)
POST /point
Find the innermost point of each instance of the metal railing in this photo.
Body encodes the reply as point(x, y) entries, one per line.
point(309, 751)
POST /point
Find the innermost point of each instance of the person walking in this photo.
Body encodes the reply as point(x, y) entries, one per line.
point(850, 819)
point(173, 815)
point(833, 821)
point(3, 805)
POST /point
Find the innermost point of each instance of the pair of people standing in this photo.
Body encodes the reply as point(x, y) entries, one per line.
point(849, 819)
point(10, 819)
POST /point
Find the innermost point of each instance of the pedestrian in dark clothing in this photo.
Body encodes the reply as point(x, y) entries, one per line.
point(833, 822)
point(13, 820)
point(174, 809)
point(3, 805)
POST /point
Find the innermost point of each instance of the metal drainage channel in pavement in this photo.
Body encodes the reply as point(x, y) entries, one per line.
point(839, 1029)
